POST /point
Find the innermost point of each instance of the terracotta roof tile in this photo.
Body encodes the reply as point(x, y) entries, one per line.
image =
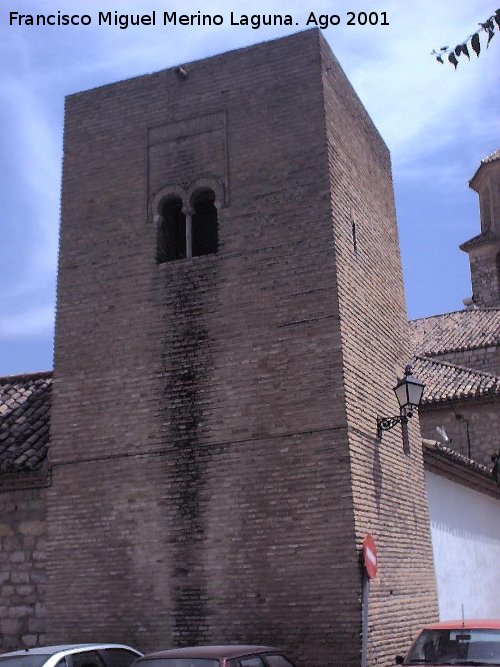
point(24, 421)
point(445, 382)
point(450, 463)
point(492, 156)
point(453, 332)
point(453, 455)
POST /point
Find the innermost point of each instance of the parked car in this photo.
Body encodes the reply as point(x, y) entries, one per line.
point(217, 656)
point(456, 643)
point(72, 655)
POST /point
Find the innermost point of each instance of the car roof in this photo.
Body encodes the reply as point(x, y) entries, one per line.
point(469, 624)
point(61, 648)
point(215, 652)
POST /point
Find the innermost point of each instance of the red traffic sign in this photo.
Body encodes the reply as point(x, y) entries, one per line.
point(370, 556)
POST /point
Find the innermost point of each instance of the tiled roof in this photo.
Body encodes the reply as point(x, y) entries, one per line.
point(492, 157)
point(445, 382)
point(445, 461)
point(453, 332)
point(24, 421)
point(456, 457)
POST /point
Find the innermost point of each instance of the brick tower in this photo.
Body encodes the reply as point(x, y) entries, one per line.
point(230, 321)
point(484, 249)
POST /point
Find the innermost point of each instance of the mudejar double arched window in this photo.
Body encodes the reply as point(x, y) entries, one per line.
point(187, 231)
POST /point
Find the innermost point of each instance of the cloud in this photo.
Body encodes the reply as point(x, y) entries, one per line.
point(412, 97)
point(35, 162)
point(30, 322)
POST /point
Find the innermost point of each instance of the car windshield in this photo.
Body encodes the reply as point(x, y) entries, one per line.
point(24, 660)
point(178, 662)
point(460, 646)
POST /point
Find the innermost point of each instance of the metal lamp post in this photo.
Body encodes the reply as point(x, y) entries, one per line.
point(409, 391)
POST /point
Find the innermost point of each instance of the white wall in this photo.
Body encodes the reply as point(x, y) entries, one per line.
point(465, 528)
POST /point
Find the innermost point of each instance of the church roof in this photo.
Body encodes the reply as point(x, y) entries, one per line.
point(24, 420)
point(492, 157)
point(458, 331)
point(445, 382)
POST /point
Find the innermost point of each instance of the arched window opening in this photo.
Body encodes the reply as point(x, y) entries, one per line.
point(485, 210)
point(171, 239)
point(205, 228)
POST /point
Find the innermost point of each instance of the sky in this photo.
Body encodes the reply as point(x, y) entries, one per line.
point(438, 124)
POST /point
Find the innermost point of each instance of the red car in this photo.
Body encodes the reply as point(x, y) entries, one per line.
point(217, 656)
point(456, 643)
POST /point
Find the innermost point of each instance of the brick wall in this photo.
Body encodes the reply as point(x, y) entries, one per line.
point(22, 563)
point(387, 483)
point(208, 441)
point(473, 425)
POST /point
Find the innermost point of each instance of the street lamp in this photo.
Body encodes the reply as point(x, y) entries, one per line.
point(409, 392)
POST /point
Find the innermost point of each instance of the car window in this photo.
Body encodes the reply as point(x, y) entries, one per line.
point(177, 662)
point(85, 659)
point(251, 662)
point(25, 660)
point(61, 663)
point(118, 657)
point(456, 646)
point(276, 660)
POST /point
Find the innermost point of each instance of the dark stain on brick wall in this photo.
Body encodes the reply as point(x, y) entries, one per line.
point(187, 360)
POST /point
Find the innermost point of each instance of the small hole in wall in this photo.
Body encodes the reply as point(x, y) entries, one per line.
point(353, 230)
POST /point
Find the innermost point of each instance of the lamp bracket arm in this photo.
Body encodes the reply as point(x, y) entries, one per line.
point(386, 423)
